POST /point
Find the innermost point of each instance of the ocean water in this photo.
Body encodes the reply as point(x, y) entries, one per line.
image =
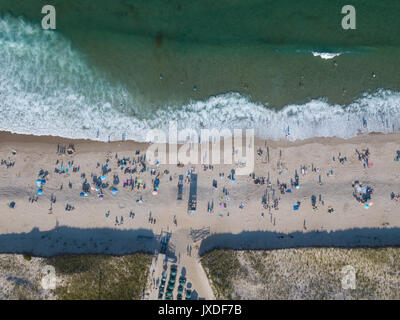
point(120, 68)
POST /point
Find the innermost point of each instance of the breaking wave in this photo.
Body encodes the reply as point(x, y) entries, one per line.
point(325, 55)
point(48, 88)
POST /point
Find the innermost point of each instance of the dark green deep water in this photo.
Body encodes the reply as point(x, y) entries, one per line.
point(260, 48)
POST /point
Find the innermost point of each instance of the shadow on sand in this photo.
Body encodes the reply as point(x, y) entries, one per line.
point(67, 240)
point(259, 240)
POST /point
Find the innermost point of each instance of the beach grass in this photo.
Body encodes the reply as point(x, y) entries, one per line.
point(313, 273)
point(20, 277)
point(221, 267)
point(101, 277)
point(78, 277)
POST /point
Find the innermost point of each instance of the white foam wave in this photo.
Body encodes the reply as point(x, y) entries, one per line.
point(371, 113)
point(47, 88)
point(325, 55)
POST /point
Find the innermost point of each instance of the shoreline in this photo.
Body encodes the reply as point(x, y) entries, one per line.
point(7, 136)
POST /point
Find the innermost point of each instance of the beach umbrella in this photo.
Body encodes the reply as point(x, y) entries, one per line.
point(101, 196)
point(39, 182)
point(114, 190)
point(43, 182)
point(103, 178)
point(39, 192)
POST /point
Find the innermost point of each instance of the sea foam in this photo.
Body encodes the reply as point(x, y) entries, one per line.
point(48, 88)
point(325, 55)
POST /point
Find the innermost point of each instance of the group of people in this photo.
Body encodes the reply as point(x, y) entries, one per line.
point(362, 192)
point(363, 156)
point(8, 163)
point(394, 196)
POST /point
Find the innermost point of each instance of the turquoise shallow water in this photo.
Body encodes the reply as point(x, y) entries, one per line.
point(118, 65)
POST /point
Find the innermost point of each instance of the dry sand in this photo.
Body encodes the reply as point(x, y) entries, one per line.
point(30, 228)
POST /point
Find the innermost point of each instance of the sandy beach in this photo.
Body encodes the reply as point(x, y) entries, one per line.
point(42, 227)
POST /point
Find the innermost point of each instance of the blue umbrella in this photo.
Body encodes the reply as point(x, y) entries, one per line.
point(39, 192)
point(82, 194)
point(114, 190)
point(103, 178)
point(43, 181)
point(38, 182)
